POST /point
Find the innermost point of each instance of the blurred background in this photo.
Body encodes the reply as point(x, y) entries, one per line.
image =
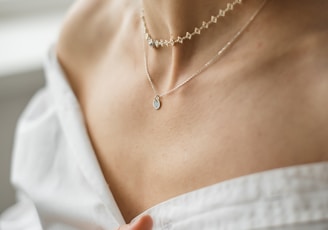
point(27, 29)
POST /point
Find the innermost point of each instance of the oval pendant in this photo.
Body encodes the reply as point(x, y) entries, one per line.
point(157, 102)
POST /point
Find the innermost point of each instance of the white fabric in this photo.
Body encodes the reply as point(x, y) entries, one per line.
point(60, 184)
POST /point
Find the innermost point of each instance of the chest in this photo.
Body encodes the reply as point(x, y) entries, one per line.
point(199, 137)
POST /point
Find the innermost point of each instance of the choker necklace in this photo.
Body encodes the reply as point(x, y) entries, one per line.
point(156, 100)
point(156, 43)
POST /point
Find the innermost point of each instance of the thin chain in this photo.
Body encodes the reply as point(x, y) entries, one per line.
point(207, 64)
point(156, 43)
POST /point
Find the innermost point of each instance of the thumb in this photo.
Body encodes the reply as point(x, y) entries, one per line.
point(144, 223)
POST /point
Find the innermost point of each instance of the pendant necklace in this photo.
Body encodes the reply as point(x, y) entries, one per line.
point(157, 104)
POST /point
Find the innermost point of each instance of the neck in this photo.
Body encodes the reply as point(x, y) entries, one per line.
point(277, 28)
point(171, 18)
point(168, 19)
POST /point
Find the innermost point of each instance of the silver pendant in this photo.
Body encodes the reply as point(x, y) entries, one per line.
point(157, 102)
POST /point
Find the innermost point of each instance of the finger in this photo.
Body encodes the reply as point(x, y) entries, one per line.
point(144, 223)
point(124, 227)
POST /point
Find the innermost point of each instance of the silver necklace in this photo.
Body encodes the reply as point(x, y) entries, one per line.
point(156, 43)
point(157, 99)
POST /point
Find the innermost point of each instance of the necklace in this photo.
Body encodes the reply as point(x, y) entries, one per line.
point(157, 102)
point(156, 43)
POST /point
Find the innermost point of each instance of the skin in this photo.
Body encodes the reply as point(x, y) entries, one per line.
point(262, 106)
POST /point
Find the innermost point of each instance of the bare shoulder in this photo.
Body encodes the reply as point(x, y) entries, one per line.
point(90, 33)
point(300, 64)
point(89, 29)
point(313, 70)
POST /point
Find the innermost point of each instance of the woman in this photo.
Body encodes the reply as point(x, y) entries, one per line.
point(237, 143)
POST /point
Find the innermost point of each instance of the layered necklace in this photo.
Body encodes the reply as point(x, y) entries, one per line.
point(157, 43)
point(179, 40)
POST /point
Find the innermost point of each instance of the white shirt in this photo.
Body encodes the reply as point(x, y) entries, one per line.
point(60, 184)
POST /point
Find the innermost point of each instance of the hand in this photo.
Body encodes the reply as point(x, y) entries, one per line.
point(144, 223)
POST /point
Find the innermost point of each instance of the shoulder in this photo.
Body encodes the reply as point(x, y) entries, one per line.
point(90, 28)
point(299, 72)
point(313, 73)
